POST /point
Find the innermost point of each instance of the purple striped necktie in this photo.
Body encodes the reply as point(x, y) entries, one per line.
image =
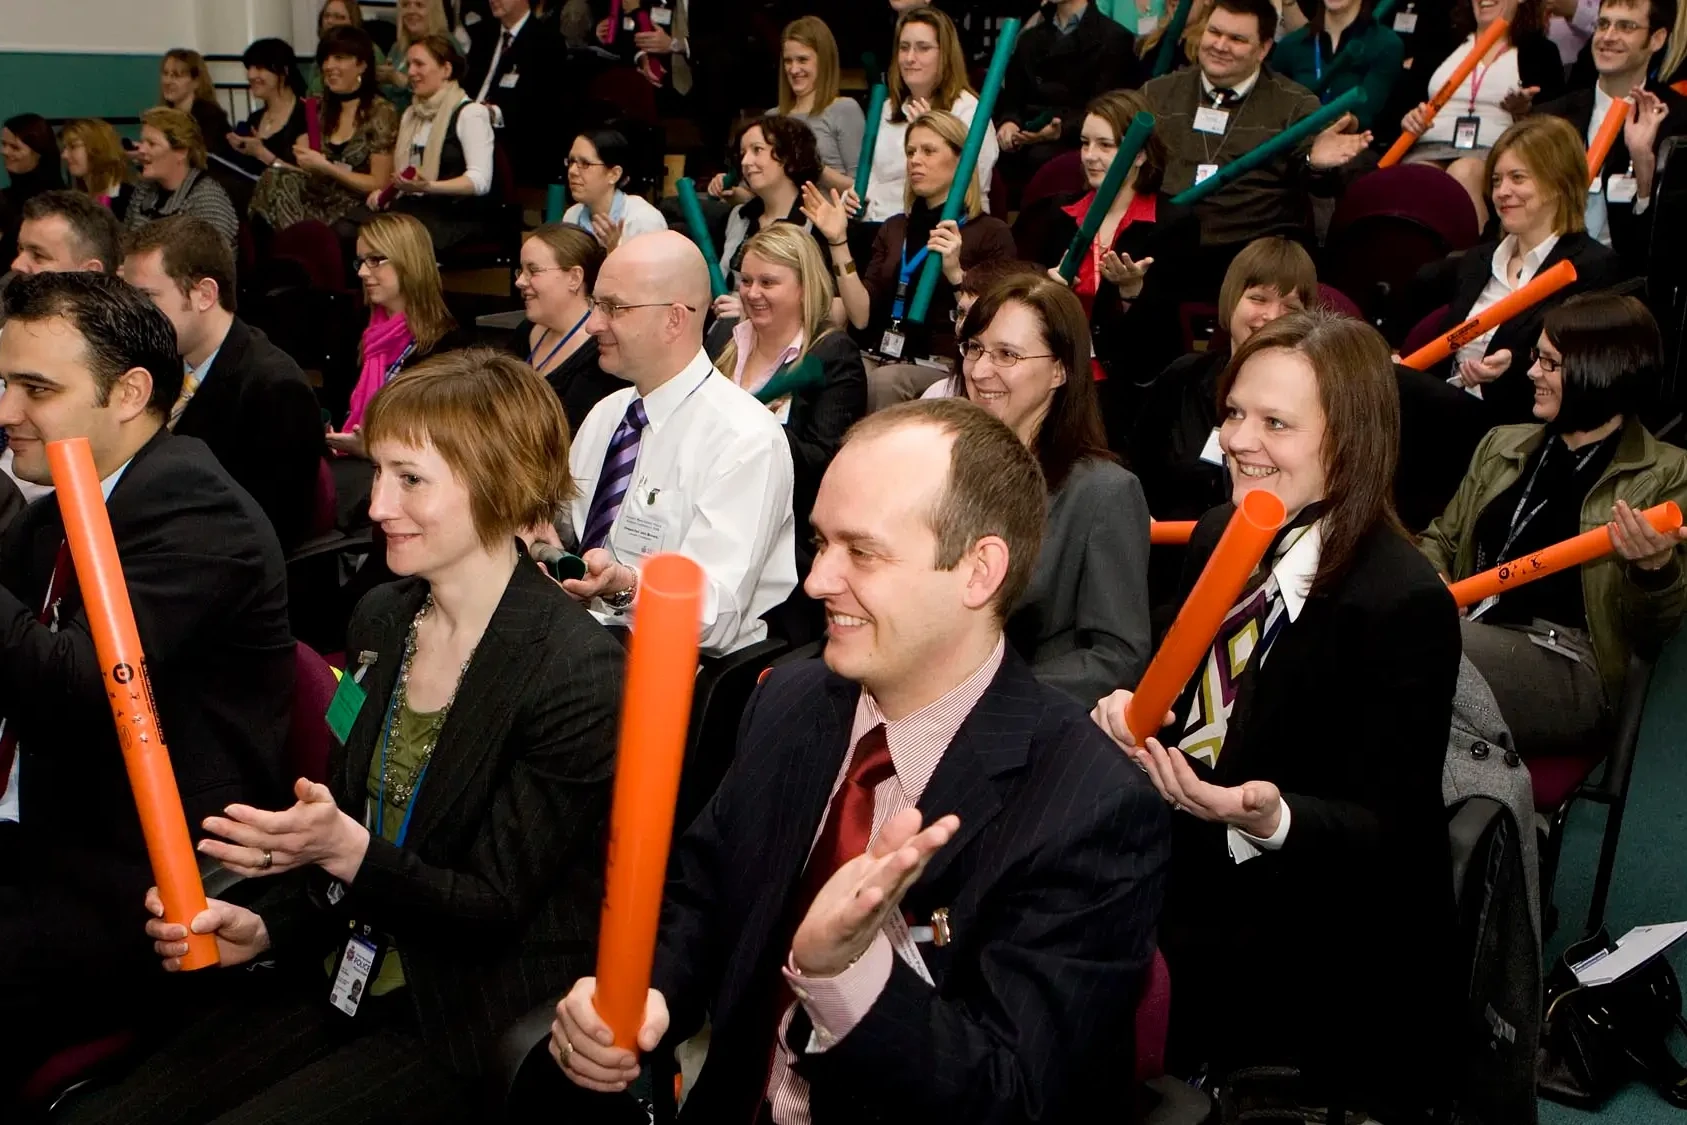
point(617, 474)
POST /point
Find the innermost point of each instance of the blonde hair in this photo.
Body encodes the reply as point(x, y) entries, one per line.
point(495, 422)
point(788, 245)
point(353, 12)
point(954, 81)
point(203, 91)
point(405, 242)
point(1552, 150)
point(953, 133)
point(180, 131)
point(811, 32)
point(1676, 46)
point(437, 25)
point(108, 167)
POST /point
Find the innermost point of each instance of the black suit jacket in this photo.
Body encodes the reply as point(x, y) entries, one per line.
point(1059, 73)
point(1052, 886)
point(1509, 398)
point(209, 590)
point(493, 901)
point(261, 419)
point(1630, 233)
point(538, 121)
point(1288, 957)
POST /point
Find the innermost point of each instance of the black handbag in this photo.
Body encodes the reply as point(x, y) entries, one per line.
point(1597, 1038)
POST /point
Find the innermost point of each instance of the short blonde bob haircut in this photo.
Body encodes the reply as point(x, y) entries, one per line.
point(952, 132)
point(495, 422)
point(180, 130)
point(1553, 152)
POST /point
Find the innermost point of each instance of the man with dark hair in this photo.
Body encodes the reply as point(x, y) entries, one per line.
point(241, 395)
point(64, 231)
point(84, 355)
point(1226, 106)
point(1629, 34)
point(982, 969)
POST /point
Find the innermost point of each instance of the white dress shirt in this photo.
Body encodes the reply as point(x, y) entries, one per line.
point(890, 160)
point(498, 54)
point(1499, 286)
point(712, 482)
point(474, 133)
point(1479, 96)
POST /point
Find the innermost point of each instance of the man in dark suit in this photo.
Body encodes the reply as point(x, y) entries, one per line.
point(84, 355)
point(982, 969)
point(1628, 36)
point(241, 395)
point(517, 66)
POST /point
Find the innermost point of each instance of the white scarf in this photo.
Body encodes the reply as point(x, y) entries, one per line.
point(422, 111)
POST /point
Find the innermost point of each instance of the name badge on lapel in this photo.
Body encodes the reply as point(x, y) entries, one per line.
point(508, 81)
point(1210, 120)
point(662, 17)
point(1620, 188)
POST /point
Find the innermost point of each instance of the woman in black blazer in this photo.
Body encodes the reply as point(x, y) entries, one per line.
point(1132, 277)
point(1309, 910)
point(459, 839)
point(1537, 172)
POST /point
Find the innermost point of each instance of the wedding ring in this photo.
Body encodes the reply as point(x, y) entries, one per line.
point(567, 1053)
point(1175, 806)
point(269, 860)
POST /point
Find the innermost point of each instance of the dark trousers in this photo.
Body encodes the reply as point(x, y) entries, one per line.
point(277, 1054)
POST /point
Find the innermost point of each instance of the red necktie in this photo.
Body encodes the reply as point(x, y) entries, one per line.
point(55, 590)
point(849, 818)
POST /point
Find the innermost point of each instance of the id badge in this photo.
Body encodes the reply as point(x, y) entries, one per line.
point(1210, 120)
point(628, 23)
point(358, 963)
point(1465, 132)
point(1484, 606)
point(892, 343)
point(508, 81)
point(1212, 453)
point(639, 536)
point(1620, 188)
point(662, 17)
point(1405, 22)
point(1203, 171)
point(348, 699)
point(1145, 25)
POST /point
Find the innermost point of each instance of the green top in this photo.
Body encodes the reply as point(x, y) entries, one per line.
point(1370, 57)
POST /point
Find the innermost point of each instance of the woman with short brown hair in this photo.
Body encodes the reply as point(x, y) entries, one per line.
point(1303, 761)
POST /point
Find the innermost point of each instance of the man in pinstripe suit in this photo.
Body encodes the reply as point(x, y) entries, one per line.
point(984, 968)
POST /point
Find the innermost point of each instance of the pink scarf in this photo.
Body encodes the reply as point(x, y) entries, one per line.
point(384, 342)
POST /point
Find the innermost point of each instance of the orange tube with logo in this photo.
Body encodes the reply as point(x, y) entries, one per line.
point(1239, 550)
point(1665, 518)
point(1540, 287)
point(87, 528)
point(1484, 43)
point(655, 713)
point(1163, 532)
point(1609, 130)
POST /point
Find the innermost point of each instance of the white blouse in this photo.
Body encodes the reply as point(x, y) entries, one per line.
point(1484, 88)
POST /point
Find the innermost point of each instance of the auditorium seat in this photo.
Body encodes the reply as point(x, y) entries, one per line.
point(1424, 331)
point(1164, 1100)
point(724, 684)
point(1336, 301)
point(498, 246)
point(1063, 174)
point(1559, 782)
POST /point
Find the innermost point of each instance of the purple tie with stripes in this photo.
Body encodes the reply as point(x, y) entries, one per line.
point(617, 474)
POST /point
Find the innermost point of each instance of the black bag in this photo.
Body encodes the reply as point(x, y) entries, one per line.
point(1597, 1038)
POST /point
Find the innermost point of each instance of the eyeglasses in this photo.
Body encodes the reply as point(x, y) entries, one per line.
point(529, 272)
point(1000, 358)
point(1548, 365)
point(956, 315)
point(1627, 27)
point(373, 261)
point(576, 162)
point(610, 310)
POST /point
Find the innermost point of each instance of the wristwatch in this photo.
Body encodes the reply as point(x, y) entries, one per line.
point(621, 600)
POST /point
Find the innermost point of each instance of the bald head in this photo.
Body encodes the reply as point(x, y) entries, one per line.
point(661, 284)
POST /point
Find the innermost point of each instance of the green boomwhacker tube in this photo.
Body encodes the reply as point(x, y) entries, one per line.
point(870, 139)
point(968, 165)
point(1170, 38)
point(700, 234)
point(1142, 127)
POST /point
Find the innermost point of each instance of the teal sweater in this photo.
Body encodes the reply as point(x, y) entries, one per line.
point(1370, 56)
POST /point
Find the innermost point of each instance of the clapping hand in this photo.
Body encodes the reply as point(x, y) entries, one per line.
point(827, 211)
point(1520, 101)
point(1125, 273)
point(915, 108)
point(1640, 131)
point(728, 306)
point(313, 832)
point(1335, 146)
point(348, 444)
point(608, 231)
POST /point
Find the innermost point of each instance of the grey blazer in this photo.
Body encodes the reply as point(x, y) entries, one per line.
point(1083, 622)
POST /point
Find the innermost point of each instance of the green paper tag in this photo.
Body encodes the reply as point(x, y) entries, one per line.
point(344, 707)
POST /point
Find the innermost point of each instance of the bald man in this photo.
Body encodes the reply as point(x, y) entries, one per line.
point(682, 460)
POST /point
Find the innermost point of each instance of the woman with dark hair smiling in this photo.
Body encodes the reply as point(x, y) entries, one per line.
point(597, 172)
point(31, 155)
point(1303, 760)
point(273, 78)
point(1083, 622)
point(1555, 651)
point(777, 157)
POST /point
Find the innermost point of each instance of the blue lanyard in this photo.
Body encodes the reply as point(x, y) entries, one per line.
point(398, 364)
point(907, 271)
point(415, 790)
point(559, 343)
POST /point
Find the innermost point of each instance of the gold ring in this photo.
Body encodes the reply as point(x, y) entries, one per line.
point(567, 1053)
point(269, 860)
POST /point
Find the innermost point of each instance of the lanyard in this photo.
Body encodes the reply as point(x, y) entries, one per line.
point(546, 361)
point(1318, 58)
point(415, 789)
point(908, 268)
point(398, 364)
point(1519, 520)
point(1476, 83)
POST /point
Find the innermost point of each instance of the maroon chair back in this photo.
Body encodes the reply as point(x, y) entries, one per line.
point(1389, 225)
point(1424, 331)
point(307, 732)
point(314, 247)
point(626, 89)
point(1065, 173)
point(1418, 192)
point(1153, 1019)
point(325, 512)
point(1337, 301)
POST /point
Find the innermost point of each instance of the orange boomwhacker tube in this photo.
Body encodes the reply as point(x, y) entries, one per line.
point(1584, 548)
point(1239, 550)
point(1609, 130)
point(655, 712)
point(1170, 531)
point(1541, 287)
point(87, 527)
point(1484, 43)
